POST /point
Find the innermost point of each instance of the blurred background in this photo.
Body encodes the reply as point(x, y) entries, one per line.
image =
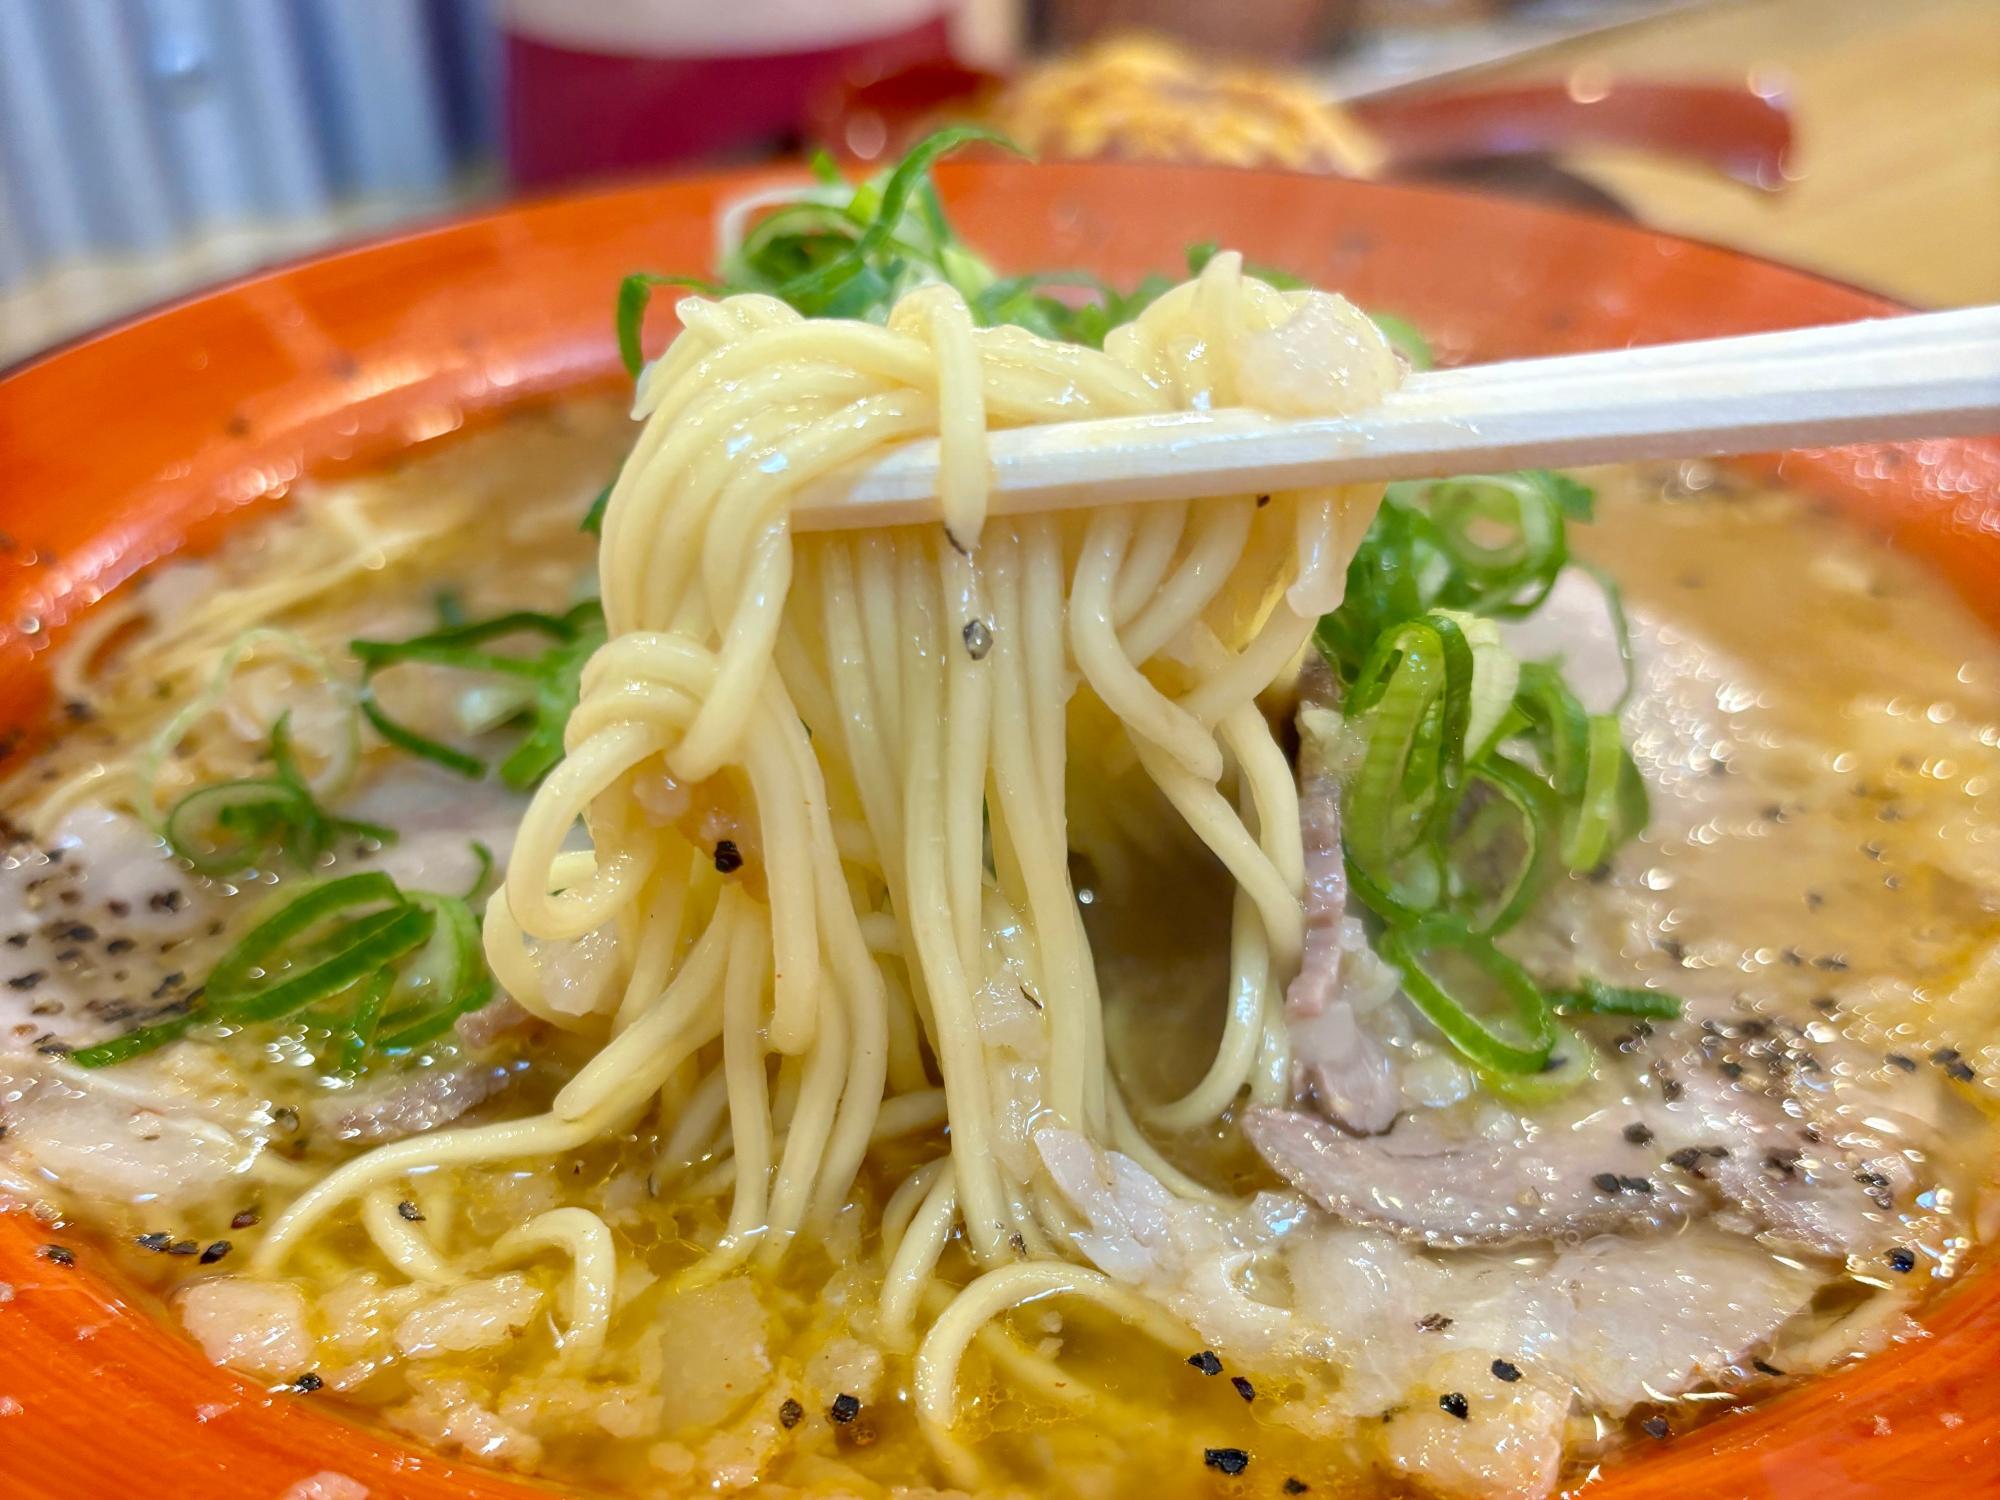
point(150, 146)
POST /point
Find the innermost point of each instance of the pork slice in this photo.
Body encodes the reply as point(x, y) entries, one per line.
point(101, 930)
point(1336, 1062)
point(1669, 1313)
point(1809, 1139)
point(405, 1104)
point(1695, 1116)
point(154, 1136)
point(438, 817)
point(1427, 1187)
point(410, 1105)
point(1610, 1321)
point(1193, 1258)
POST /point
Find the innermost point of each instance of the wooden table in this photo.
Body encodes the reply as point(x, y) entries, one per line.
point(1896, 109)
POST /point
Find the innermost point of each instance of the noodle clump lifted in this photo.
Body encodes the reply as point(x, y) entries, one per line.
point(832, 785)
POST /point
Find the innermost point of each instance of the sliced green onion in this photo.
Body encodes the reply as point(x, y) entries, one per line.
point(635, 292)
point(1496, 675)
point(1492, 892)
point(1399, 709)
point(342, 755)
point(252, 814)
point(139, 1041)
point(358, 1037)
point(1597, 813)
point(485, 857)
point(242, 985)
point(235, 825)
point(1621, 628)
point(822, 283)
point(1595, 998)
point(408, 740)
point(1572, 1062)
point(1558, 727)
point(1527, 1051)
point(1513, 571)
point(1404, 338)
point(549, 679)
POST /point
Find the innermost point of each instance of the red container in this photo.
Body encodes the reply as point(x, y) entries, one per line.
point(609, 86)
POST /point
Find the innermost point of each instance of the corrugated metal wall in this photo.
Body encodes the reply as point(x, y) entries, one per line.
point(141, 128)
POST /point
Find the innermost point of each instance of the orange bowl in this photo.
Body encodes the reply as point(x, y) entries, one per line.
point(151, 437)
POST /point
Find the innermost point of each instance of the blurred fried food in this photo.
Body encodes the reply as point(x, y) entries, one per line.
point(1144, 98)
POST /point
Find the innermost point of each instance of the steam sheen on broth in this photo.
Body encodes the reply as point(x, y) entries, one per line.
point(1282, 1218)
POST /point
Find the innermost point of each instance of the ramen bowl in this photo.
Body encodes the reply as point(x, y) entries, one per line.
point(156, 436)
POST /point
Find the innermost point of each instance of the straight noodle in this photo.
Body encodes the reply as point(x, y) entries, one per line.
point(828, 781)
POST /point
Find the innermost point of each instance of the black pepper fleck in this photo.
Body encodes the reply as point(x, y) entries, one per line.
point(1506, 1370)
point(156, 1242)
point(1295, 1486)
point(1455, 1403)
point(1656, 1427)
point(307, 1383)
point(215, 1252)
point(1764, 1367)
point(245, 1217)
point(790, 1413)
point(1243, 1387)
point(1897, 1060)
point(1606, 1182)
point(1639, 1133)
point(1228, 1460)
point(28, 980)
point(184, 1247)
point(728, 858)
point(1206, 1362)
point(1433, 1323)
point(61, 1255)
point(1960, 1071)
point(845, 1409)
point(1902, 1260)
point(409, 1212)
point(978, 638)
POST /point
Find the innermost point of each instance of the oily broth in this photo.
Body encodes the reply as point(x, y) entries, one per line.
point(1839, 866)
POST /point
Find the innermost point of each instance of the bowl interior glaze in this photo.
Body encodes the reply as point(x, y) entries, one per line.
point(153, 436)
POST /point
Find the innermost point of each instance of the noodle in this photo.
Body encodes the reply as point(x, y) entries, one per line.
point(889, 723)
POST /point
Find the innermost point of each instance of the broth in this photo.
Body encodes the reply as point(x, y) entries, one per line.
point(1819, 725)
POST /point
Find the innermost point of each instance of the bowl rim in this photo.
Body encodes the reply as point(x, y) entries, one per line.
point(423, 225)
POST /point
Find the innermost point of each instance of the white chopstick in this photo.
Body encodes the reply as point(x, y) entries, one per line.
point(1884, 379)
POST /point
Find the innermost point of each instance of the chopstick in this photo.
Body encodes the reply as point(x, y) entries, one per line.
point(1883, 379)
